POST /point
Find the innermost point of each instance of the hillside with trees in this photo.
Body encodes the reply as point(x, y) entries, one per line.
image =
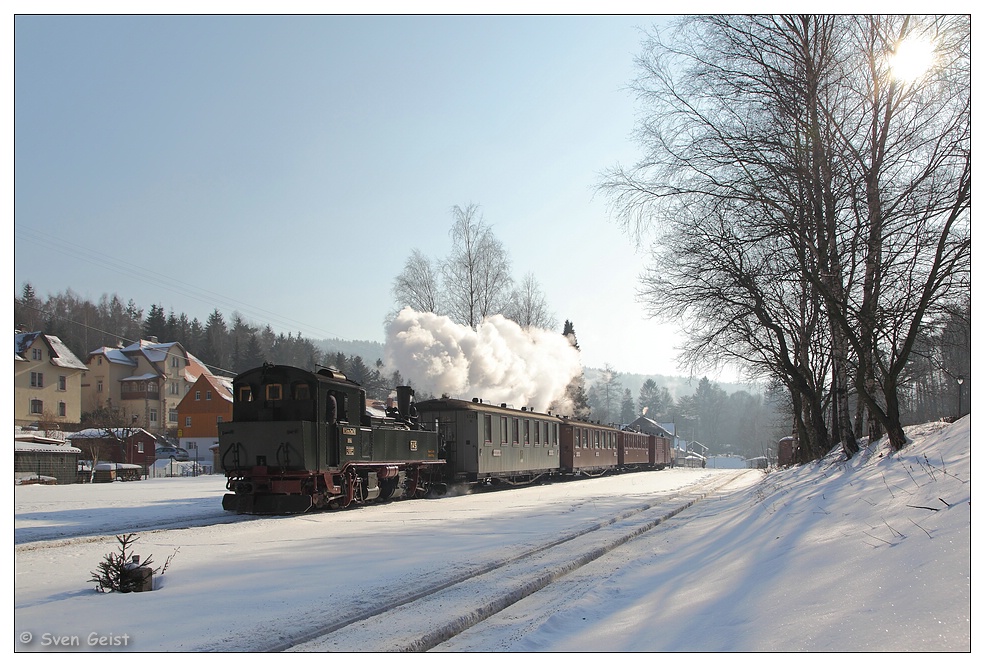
point(741, 419)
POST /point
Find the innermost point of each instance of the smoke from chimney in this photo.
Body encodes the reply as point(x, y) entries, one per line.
point(499, 361)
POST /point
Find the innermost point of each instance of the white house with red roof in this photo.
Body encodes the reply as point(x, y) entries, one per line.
point(145, 380)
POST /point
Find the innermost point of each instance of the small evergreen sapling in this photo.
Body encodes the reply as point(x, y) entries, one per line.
point(117, 571)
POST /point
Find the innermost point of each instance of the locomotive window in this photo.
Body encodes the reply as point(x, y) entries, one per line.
point(245, 393)
point(487, 427)
point(274, 392)
point(301, 391)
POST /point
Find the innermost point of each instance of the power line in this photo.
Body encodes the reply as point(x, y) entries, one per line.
point(110, 333)
point(208, 297)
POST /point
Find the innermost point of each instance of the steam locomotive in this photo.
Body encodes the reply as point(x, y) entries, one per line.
point(303, 440)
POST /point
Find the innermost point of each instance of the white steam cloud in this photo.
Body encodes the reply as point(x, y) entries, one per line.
point(500, 362)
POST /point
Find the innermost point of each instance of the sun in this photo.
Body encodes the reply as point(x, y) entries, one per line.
point(913, 57)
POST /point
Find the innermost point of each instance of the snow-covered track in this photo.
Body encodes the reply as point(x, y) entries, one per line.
point(424, 619)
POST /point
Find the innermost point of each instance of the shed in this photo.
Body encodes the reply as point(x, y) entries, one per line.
point(39, 462)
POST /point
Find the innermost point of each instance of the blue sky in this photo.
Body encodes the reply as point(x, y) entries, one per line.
point(297, 161)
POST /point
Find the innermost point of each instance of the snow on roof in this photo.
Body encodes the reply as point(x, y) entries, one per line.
point(114, 355)
point(145, 376)
point(24, 446)
point(61, 356)
point(101, 433)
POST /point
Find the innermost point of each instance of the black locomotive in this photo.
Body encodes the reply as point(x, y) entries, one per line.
point(302, 440)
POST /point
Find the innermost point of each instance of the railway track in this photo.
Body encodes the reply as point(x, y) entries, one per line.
point(423, 620)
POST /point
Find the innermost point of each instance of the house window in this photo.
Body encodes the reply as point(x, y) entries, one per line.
point(61, 409)
point(174, 362)
point(188, 421)
point(153, 416)
point(99, 386)
point(37, 379)
point(36, 355)
point(174, 388)
point(173, 415)
point(297, 394)
point(198, 395)
point(218, 419)
point(99, 361)
point(62, 383)
point(37, 406)
point(140, 447)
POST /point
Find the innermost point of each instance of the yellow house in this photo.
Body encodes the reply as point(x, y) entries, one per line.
point(47, 380)
point(145, 380)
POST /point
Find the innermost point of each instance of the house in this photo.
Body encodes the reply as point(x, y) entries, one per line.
point(117, 445)
point(47, 380)
point(645, 425)
point(208, 403)
point(144, 381)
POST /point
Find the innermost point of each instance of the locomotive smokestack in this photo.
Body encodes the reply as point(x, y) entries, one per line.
point(404, 394)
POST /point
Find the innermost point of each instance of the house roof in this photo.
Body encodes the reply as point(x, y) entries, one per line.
point(156, 354)
point(59, 354)
point(649, 426)
point(100, 433)
point(23, 446)
point(114, 355)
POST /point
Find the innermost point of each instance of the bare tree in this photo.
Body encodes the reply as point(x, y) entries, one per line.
point(527, 305)
point(477, 273)
point(795, 187)
point(417, 286)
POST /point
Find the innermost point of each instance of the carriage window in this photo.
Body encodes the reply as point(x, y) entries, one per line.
point(487, 427)
point(526, 431)
point(516, 431)
point(503, 430)
point(273, 392)
point(245, 393)
point(536, 433)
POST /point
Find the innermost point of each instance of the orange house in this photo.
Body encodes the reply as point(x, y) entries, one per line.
point(208, 403)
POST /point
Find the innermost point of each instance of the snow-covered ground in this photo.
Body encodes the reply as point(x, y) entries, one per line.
point(873, 554)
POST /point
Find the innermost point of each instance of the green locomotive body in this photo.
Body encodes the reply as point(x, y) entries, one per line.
point(302, 440)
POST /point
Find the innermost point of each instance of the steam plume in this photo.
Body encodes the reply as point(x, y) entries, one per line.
point(499, 362)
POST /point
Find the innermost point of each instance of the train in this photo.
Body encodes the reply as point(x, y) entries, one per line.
point(302, 441)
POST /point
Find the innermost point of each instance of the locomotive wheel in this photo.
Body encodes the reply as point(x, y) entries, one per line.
point(387, 487)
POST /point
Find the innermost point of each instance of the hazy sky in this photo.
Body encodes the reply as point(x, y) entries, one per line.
point(285, 167)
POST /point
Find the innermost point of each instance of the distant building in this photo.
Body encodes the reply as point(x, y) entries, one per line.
point(145, 381)
point(208, 403)
point(47, 381)
point(117, 445)
point(650, 427)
